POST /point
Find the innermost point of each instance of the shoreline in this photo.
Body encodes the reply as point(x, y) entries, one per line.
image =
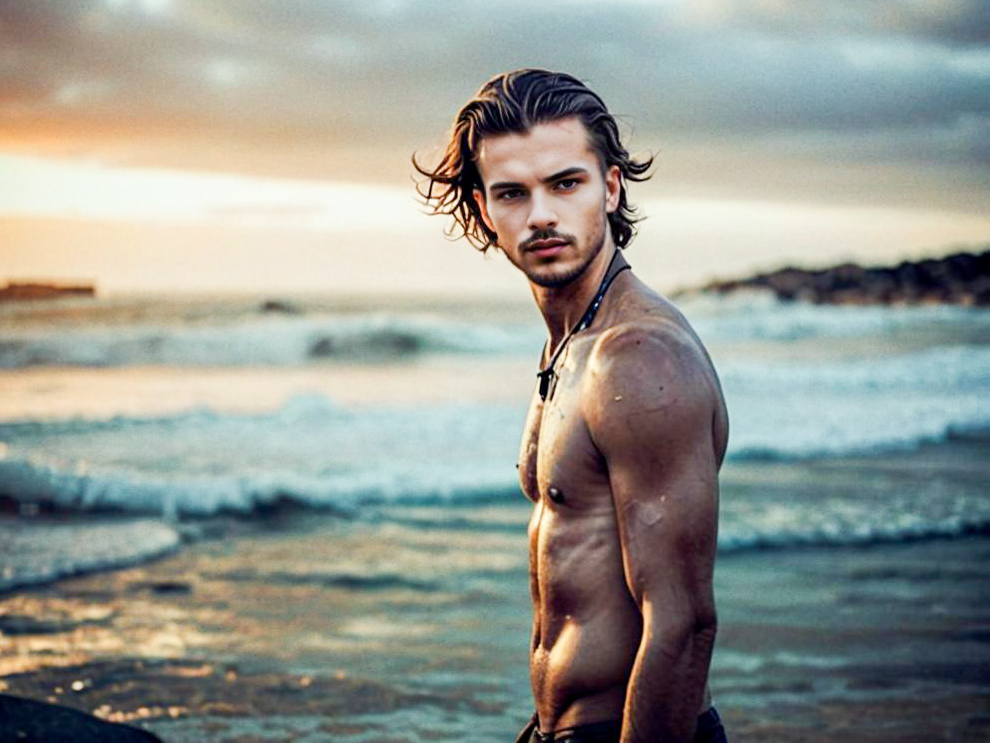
point(411, 622)
point(880, 643)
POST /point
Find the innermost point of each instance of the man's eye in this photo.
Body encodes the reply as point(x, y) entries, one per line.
point(568, 184)
point(510, 194)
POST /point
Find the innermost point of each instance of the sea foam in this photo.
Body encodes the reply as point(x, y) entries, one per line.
point(262, 341)
point(32, 553)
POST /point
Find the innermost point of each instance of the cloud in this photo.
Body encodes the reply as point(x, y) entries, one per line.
point(88, 191)
point(899, 81)
point(949, 22)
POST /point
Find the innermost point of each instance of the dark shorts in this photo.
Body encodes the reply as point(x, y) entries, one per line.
point(709, 730)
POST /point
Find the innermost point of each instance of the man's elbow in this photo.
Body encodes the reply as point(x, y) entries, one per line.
point(688, 630)
point(705, 628)
point(706, 620)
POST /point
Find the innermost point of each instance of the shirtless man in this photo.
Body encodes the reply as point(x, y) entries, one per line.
point(626, 431)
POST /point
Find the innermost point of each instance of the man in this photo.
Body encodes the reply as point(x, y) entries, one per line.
point(626, 431)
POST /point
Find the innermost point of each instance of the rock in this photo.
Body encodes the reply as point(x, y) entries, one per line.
point(20, 292)
point(321, 349)
point(961, 278)
point(28, 720)
point(279, 306)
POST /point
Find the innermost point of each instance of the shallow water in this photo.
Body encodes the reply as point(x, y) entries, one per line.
point(376, 629)
point(196, 407)
point(344, 538)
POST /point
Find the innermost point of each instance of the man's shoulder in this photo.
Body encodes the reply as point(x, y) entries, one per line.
point(649, 364)
point(658, 343)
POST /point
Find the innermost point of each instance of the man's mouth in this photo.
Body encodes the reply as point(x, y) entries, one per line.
point(547, 245)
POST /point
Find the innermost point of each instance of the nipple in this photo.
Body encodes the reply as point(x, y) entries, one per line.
point(555, 495)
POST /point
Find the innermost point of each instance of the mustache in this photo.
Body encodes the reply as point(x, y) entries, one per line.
point(545, 234)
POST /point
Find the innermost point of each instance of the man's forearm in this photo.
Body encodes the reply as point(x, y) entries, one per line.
point(667, 685)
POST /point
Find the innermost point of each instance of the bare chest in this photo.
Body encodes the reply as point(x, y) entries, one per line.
point(557, 458)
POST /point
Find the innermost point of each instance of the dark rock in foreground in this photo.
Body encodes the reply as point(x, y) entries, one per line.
point(15, 292)
point(961, 278)
point(38, 722)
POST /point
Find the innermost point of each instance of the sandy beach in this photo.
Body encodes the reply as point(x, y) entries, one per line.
point(316, 627)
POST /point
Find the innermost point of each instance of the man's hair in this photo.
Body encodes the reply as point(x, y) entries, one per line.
point(514, 102)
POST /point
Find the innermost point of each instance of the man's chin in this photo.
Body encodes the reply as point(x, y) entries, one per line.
point(554, 277)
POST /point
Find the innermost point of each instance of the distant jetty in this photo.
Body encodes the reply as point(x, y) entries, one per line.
point(25, 292)
point(961, 278)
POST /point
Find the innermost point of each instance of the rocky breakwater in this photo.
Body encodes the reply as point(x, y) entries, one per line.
point(21, 292)
point(961, 278)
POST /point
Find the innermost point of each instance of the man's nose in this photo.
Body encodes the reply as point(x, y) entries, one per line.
point(541, 214)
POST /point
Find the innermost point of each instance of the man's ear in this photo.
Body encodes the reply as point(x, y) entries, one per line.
point(613, 188)
point(479, 199)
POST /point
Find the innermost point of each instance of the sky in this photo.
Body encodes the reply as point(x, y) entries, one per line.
point(264, 145)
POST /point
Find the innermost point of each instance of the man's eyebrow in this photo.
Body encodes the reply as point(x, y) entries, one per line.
point(503, 185)
point(559, 175)
point(565, 173)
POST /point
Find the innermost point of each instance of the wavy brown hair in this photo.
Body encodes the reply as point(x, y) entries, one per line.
point(515, 102)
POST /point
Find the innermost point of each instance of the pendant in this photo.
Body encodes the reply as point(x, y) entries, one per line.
point(548, 381)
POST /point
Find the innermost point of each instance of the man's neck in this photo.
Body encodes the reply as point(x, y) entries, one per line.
point(563, 306)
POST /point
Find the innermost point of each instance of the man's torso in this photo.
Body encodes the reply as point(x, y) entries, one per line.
point(586, 627)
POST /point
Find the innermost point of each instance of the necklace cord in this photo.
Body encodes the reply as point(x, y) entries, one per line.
point(547, 373)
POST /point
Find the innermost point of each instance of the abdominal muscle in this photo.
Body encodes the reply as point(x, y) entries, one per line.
point(586, 627)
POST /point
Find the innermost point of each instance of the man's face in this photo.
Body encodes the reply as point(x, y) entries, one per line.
point(546, 199)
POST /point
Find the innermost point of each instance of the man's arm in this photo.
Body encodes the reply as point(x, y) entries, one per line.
point(650, 403)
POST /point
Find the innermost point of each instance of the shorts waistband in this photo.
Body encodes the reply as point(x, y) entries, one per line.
point(596, 731)
point(610, 730)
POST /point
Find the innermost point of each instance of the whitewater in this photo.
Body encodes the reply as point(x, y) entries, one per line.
point(802, 383)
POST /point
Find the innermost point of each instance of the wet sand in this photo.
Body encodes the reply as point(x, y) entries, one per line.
point(888, 643)
point(411, 624)
point(344, 629)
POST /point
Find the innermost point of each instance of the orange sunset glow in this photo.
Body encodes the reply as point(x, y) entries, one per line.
point(187, 146)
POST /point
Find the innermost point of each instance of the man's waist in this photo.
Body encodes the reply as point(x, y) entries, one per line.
point(709, 728)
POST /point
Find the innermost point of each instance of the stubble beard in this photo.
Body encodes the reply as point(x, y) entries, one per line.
point(555, 281)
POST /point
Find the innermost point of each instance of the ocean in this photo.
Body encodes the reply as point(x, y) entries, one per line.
point(135, 427)
point(182, 408)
